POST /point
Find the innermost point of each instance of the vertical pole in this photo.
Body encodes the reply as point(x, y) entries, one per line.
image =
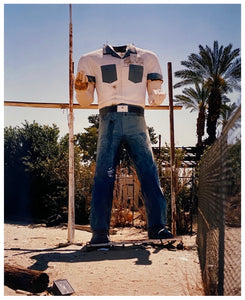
point(172, 151)
point(159, 142)
point(71, 204)
point(159, 157)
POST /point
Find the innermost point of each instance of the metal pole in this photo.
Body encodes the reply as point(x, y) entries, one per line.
point(71, 204)
point(172, 151)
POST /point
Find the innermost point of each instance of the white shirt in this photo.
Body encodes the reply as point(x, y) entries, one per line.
point(120, 74)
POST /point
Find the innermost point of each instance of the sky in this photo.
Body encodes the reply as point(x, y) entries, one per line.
point(36, 52)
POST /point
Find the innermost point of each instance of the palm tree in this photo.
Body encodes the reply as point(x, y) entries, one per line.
point(225, 113)
point(220, 70)
point(196, 99)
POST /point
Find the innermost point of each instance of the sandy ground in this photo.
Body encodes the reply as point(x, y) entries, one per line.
point(128, 271)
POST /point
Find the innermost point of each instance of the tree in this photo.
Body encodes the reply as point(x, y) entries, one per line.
point(87, 140)
point(225, 113)
point(83, 175)
point(220, 71)
point(31, 153)
point(16, 188)
point(36, 174)
point(196, 99)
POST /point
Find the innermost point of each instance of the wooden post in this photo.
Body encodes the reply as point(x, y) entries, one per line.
point(71, 202)
point(172, 151)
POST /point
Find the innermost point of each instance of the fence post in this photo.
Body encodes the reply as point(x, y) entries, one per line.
point(71, 204)
point(172, 151)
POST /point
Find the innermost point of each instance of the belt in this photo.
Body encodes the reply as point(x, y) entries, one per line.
point(122, 108)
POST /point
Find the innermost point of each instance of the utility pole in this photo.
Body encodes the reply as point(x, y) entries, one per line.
point(71, 202)
point(172, 151)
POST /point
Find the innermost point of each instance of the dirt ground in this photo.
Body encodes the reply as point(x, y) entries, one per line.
point(128, 271)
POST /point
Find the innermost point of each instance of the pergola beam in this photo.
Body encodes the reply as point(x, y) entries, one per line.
point(76, 106)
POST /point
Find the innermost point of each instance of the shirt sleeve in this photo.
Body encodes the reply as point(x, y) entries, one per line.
point(85, 65)
point(153, 68)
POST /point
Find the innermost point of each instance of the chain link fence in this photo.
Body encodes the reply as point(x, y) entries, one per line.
point(219, 212)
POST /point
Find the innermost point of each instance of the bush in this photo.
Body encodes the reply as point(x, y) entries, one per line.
point(36, 174)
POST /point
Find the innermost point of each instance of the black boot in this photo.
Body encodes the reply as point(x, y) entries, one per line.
point(159, 232)
point(100, 236)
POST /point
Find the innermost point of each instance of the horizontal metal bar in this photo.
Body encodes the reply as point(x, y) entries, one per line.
point(76, 106)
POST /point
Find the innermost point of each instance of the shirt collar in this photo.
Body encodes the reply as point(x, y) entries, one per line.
point(109, 50)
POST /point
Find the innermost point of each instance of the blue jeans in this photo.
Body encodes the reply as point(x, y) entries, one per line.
point(130, 129)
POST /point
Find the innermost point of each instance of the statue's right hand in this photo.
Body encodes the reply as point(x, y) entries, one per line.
point(81, 81)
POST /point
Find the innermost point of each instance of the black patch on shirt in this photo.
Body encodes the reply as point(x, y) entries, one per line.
point(109, 73)
point(135, 73)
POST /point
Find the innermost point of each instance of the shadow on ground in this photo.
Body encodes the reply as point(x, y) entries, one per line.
point(43, 259)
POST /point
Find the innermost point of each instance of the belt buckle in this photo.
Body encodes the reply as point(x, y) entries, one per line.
point(122, 108)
